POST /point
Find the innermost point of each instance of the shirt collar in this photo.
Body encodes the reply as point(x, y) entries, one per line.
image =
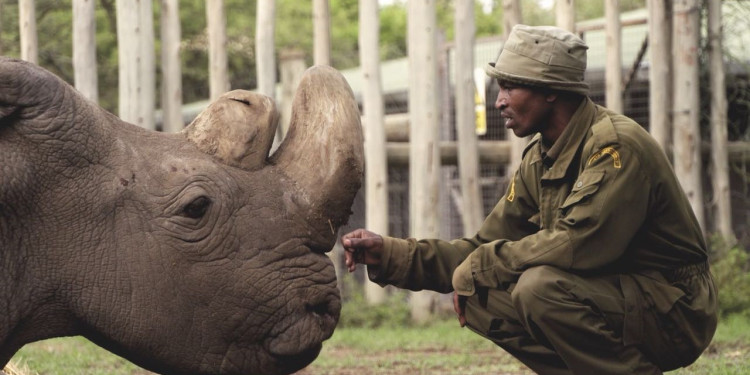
point(558, 157)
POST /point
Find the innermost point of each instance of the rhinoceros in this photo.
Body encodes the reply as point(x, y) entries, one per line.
point(187, 253)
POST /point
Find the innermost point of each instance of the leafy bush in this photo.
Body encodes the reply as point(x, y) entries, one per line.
point(356, 312)
point(730, 266)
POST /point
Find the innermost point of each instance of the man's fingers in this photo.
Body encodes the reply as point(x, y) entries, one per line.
point(459, 304)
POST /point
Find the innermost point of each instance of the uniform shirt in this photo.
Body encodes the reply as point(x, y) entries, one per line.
point(602, 200)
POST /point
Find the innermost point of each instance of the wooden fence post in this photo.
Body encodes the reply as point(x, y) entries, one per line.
point(217, 48)
point(660, 72)
point(265, 62)
point(84, 49)
point(171, 88)
point(376, 173)
point(472, 212)
point(27, 25)
point(424, 167)
point(292, 66)
point(613, 70)
point(565, 12)
point(137, 72)
point(322, 33)
point(686, 131)
point(719, 157)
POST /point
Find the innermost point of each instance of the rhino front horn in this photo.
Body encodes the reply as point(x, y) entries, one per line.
point(323, 150)
point(237, 128)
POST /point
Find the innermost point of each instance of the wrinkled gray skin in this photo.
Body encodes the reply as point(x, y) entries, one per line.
point(190, 253)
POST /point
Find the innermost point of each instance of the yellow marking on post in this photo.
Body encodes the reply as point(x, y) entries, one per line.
point(606, 151)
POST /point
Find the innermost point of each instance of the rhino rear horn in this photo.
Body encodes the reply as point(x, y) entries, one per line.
point(237, 128)
point(323, 150)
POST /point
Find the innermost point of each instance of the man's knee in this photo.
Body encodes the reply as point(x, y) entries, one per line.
point(537, 287)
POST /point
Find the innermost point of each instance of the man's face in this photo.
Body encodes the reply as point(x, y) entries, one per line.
point(526, 110)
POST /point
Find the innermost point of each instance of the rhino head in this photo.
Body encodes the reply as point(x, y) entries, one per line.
point(189, 253)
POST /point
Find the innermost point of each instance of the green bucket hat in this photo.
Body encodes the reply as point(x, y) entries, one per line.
point(542, 56)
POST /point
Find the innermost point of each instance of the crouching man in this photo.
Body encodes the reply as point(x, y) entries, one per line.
point(593, 261)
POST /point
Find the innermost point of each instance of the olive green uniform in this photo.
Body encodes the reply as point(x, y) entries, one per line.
point(591, 263)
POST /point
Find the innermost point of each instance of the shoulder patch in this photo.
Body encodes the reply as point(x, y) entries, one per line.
point(512, 191)
point(606, 151)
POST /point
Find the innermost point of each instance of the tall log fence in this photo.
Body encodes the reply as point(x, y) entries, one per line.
point(398, 139)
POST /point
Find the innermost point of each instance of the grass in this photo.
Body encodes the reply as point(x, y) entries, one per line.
point(439, 348)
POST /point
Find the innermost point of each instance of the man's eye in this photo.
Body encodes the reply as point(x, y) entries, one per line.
point(197, 208)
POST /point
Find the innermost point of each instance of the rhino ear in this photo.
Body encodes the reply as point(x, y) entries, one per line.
point(16, 78)
point(237, 128)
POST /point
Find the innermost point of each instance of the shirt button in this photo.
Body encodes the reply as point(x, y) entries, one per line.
point(579, 184)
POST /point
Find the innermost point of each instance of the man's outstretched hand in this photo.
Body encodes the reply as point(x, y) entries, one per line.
point(362, 246)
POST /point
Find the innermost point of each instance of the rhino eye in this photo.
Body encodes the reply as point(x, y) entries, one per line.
point(197, 208)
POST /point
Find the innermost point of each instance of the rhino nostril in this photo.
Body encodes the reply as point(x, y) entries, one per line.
point(319, 249)
point(317, 308)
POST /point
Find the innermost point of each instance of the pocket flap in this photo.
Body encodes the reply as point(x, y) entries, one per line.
point(585, 186)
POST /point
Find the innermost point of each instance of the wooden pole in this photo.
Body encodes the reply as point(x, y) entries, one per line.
point(1, 29)
point(84, 49)
point(424, 168)
point(719, 162)
point(660, 72)
point(292, 66)
point(613, 79)
point(265, 63)
point(686, 132)
point(27, 25)
point(376, 173)
point(137, 72)
point(171, 89)
point(217, 48)
point(565, 12)
point(468, 161)
point(322, 33)
point(512, 17)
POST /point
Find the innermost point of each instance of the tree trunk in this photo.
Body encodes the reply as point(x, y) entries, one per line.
point(322, 33)
point(424, 168)
point(512, 17)
point(719, 162)
point(613, 80)
point(565, 11)
point(376, 178)
point(27, 25)
point(135, 41)
point(217, 48)
point(468, 156)
point(84, 49)
point(660, 72)
point(686, 132)
point(171, 90)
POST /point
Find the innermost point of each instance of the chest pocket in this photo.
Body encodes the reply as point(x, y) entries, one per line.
point(585, 186)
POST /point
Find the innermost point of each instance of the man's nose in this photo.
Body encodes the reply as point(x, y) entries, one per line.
point(502, 100)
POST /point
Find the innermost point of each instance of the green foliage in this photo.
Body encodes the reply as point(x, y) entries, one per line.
point(357, 312)
point(731, 269)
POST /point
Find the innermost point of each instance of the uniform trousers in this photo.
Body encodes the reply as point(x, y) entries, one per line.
point(556, 322)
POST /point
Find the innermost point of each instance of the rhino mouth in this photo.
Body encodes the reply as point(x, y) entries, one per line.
point(299, 337)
